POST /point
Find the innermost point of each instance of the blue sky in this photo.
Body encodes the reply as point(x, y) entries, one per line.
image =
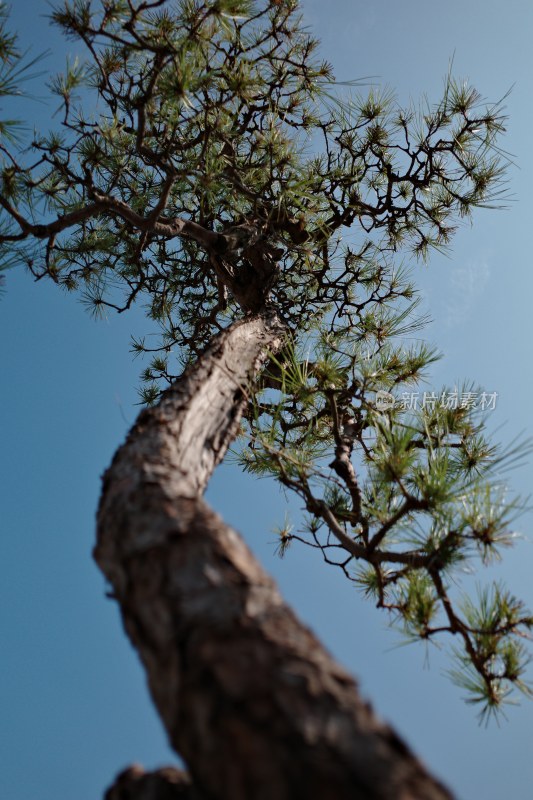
point(75, 709)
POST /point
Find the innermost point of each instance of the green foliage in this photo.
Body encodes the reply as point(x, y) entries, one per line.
point(211, 111)
point(206, 164)
point(496, 654)
point(14, 70)
point(416, 494)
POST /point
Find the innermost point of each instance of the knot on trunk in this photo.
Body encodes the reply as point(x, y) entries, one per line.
point(246, 264)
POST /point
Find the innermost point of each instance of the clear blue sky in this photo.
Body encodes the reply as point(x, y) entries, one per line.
point(74, 705)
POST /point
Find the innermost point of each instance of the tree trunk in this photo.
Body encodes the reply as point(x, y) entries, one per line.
point(250, 699)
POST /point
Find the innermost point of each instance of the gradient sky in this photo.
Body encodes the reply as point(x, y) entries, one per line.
point(75, 709)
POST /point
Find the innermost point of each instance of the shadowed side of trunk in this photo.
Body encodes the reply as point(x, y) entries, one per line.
point(249, 697)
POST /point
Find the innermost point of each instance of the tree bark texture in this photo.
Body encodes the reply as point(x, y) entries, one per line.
point(249, 697)
point(167, 783)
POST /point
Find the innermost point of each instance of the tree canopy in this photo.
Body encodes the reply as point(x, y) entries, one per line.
point(208, 164)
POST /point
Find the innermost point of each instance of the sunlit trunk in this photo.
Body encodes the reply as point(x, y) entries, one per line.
point(250, 699)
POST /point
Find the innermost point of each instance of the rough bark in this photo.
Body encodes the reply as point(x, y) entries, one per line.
point(167, 783)
point(250, 699)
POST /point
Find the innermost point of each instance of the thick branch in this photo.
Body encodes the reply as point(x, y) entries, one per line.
point(106, 204)
point(249, 698)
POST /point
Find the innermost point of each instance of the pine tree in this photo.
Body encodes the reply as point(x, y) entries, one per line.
point(208, 164)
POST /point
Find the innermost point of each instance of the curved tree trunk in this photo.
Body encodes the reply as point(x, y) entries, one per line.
point(250, 699)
